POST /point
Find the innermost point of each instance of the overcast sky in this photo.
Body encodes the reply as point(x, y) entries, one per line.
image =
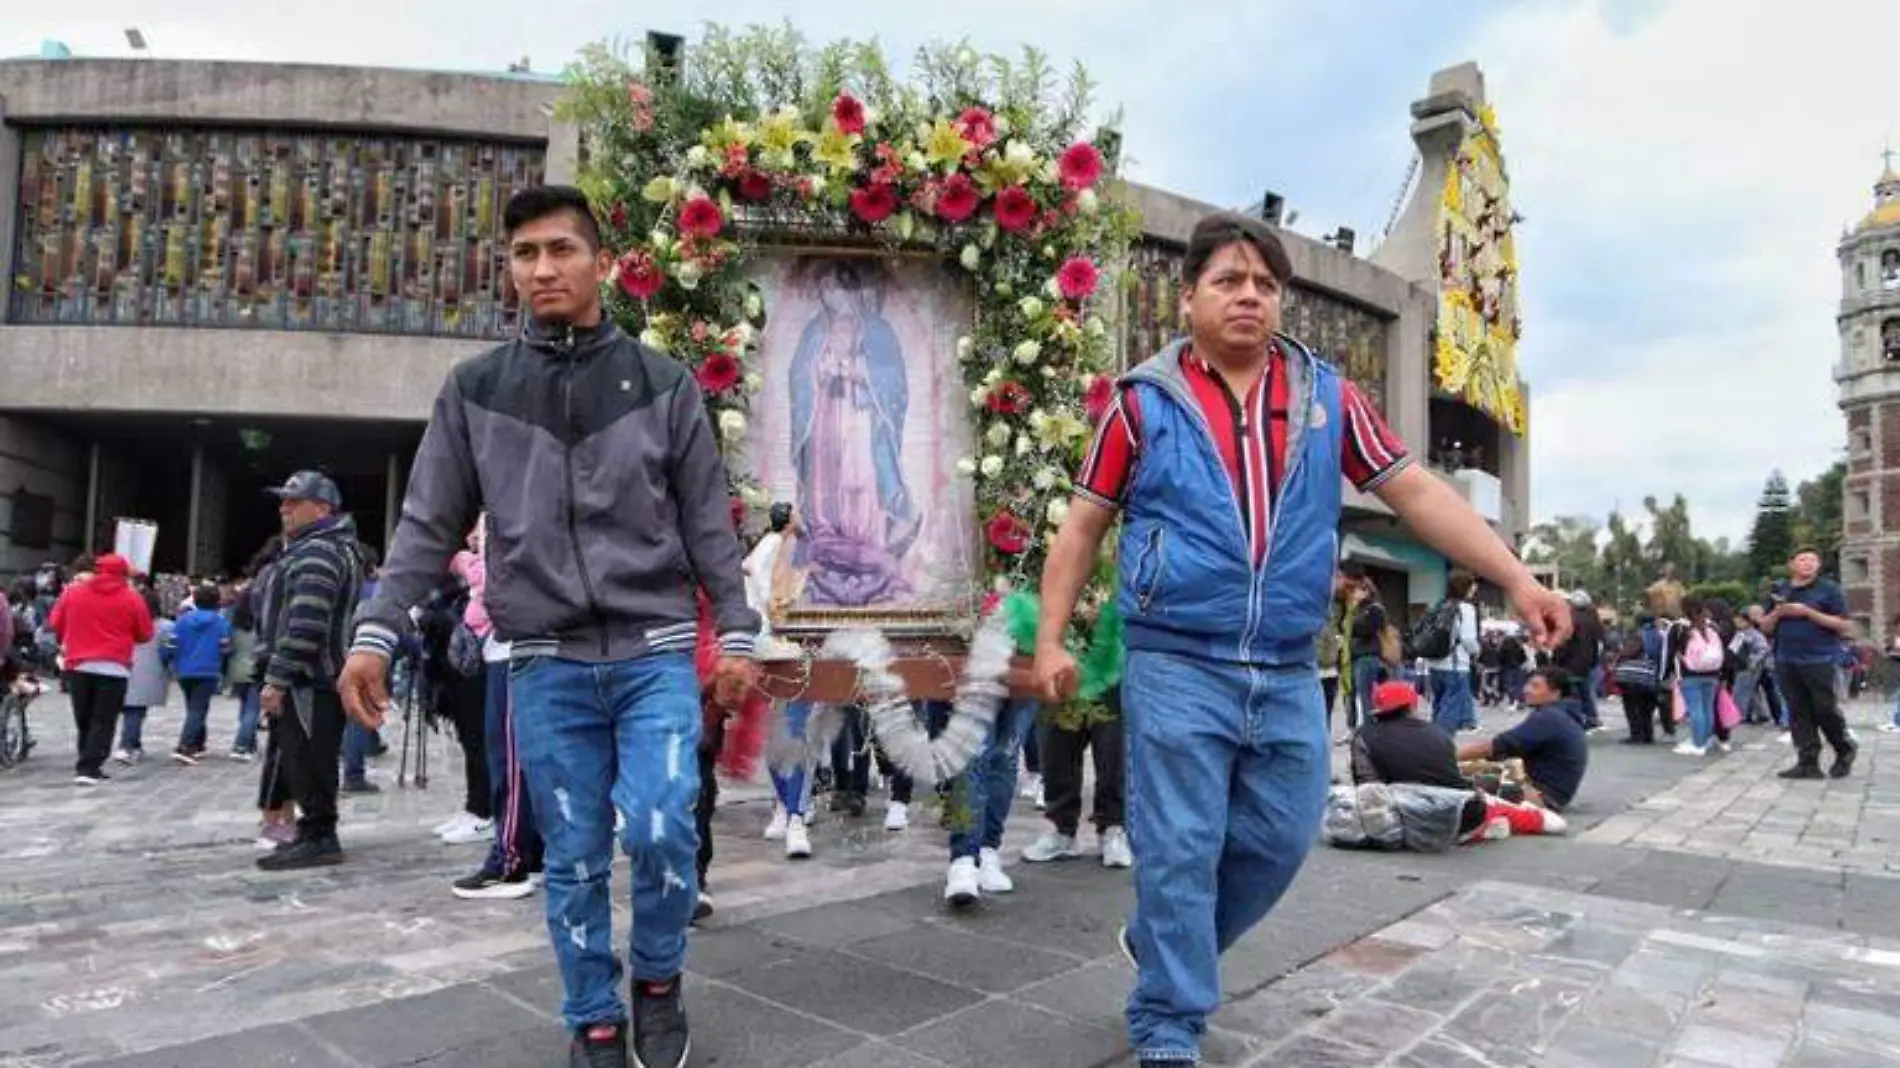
point(1685, 166)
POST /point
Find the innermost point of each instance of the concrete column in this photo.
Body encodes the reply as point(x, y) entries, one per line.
point(392, 501)
point(87, 536)
point(10, 209)
point(194, 515)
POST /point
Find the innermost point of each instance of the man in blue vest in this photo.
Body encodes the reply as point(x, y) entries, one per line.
point(1224, 456)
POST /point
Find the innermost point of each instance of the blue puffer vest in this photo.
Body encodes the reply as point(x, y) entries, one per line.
point(1188, 584)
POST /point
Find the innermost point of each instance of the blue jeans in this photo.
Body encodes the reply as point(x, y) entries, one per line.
point(1698, 697)
point(357, 743)
point(989, 783)
point(1514, 679)
point(1593, 682)
point(248, 709)
point(517, 845)
point(1365, 677)
point(132, 730)
point(1227, 779)
point(1452, 706)
point(198, 694)
point(596, 738)
point(792, 785)
point(1896, 708)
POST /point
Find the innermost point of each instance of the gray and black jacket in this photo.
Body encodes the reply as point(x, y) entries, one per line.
point(606, 497)
point(306, 605)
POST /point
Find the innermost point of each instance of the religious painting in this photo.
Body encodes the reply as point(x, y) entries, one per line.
point(859, 423)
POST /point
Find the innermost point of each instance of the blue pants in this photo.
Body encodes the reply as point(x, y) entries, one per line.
point(1698, 697)
point(248, 710)
point(358, 741)
point(1452, 707)
point(596, 738)
point(195, 732)
point(1227, 779)
point(793, 785)
point(1365, 678)
point(989, 783)
point(517, 845)
point(132, 730)
point(1592, 685)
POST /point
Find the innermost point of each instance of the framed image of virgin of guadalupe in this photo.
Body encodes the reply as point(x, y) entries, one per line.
point(859, 423)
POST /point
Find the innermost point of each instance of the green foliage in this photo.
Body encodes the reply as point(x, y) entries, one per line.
point(1734, 594)
point(1771, 540)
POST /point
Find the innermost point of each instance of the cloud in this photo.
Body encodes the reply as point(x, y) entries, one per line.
point(1686, 168)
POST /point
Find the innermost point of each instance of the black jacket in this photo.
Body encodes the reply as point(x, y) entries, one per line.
point(1405, 748)
point(1585, 648)
point(308, 602)
point(1366, 625)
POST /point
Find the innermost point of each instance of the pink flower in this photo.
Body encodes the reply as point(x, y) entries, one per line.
point(874, 203)
point(700, 218)
point(848, 112)
point(640, 277)
point(1015, 209)
point(977, 127)
point(1080, 166)
point(1007, 534)
point(717, 373)
point(957, 198)
point(754, 187)
point(1077, 278)
point(737, 161)
point(1008, 398)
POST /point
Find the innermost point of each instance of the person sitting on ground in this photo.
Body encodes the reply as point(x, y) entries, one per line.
point(1550, 741)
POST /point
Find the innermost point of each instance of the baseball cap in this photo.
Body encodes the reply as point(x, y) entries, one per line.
point(1393, 697)
point(308, 486)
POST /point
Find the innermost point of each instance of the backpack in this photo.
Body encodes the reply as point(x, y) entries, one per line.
point(1635, 669)
point(1435, 635)
point(1702, 654)
point(465, 651)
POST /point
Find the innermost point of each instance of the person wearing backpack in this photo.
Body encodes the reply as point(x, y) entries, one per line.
point(1698, 651)
point(1453, 628)
point(1582, 656)
point(1637, 678)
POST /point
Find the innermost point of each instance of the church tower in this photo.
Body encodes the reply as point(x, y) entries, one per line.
point(1869, 379)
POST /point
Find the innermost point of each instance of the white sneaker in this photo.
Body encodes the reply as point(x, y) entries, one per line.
point(963, 887)
point(1785, 737)
point(1115, 851)
point(471, 831)
point(797, 842)
point(1724, 746)
point(775, 830)
point(896, 816)
point(1051, 846)
point(127, 757)
point(1555, 824)
point(1032, 788)
point(989, 874)
point(449, 824)
point(1689, 748)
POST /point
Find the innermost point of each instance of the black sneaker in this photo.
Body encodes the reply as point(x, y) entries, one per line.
point(599, 1046)
point(1801, 771)
point(303, 853)
point(660, 1037)
point(703, 907)
point(491, 885)
point(1843, 763)
point(360, 786)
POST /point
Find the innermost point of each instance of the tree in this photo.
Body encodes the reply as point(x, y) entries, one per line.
point(1818, 516)
point(1672, 541)
point(1771, 539)
point(1570, 542)
point(1625, 571)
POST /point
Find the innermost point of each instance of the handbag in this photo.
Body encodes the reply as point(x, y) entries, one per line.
point(1678, 710)
point(1726, 714)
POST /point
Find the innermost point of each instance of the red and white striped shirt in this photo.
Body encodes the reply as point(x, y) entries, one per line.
point(1250, 434)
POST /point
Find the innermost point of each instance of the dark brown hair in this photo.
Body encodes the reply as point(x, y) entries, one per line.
point(1219, 229)
point(1460, 584)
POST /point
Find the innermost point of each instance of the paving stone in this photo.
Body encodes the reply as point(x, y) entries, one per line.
point(736, 1030)
point(996, 1032)
point(854, 993)
point(1097, 993)
point(277, 1046)
point(1379, 1025)
point(965, 958)
point(382, 1034)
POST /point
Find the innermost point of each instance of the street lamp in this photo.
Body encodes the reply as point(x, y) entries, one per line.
point(135, 38)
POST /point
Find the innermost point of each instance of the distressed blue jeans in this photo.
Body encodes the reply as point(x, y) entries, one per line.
point(1698, 697)
point(792, 783)
point(593, 739)
point(1452, 707)
point(989, 783)
point(1227, 780)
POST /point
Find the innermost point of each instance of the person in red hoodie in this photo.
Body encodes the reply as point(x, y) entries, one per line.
point(98, 621)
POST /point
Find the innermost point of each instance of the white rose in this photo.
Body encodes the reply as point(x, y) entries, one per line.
point(754, 306)
point(660, 240)
point(999, 435)
point(1087, 202)
point(993, 376)
point(697, 156)
point(1037, 419)
point(1048, 371)
point(732, 424)
point(1053, 288)
point(966, 467)
point(992, 466)
point(1027, 352)
point(916, 161)
point(1030, 307)
point(965, 346)
point(651, 339)
point(1024, 446)
point(979, 396)
point(754, 383)
point(1019, 153)
point(689, 274)
point(745, 334)
point(1044, 479)
point(1050, 172)
point(971, 258)
point(966, 57)
point(1058, 511)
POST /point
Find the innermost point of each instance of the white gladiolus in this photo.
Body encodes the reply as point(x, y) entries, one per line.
point(1030, 307)
point(992, 466)
point(971, 258)
point(966, 467)
point(1044, 479)
point(732, 424)
point(965, 346)
point(1027, 352)
point(1024, 446)
point(1058, 511)
point(999, 435)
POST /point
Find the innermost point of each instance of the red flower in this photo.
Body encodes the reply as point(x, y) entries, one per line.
point(1015, 209)
point(700, 218)
point(1095, 402)
point(640, 277)
point(1080, 166)
point(717, 373)
point(874, 203)
point(701, 331)
point(1008, 398)
point(755, 187)
point(1008, 535)
point(1077, 278)
point(737, 161)
point(957, 198)
point(977, 127)
point(617, 216)
point(991, 602)
point(848, 113)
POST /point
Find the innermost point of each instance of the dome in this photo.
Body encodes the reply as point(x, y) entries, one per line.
point(1886, 203)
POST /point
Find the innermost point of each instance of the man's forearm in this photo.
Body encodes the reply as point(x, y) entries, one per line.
point(1443, 520)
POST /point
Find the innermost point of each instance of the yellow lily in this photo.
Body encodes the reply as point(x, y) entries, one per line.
point(943, 145)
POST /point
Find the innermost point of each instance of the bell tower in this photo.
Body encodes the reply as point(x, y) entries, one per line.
point(1869, 380)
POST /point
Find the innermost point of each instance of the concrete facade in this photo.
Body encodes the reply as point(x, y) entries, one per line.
point(1869, 379)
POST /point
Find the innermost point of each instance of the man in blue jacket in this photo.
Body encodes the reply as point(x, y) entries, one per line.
point(200, 639)
point(607, 504)
point(1224, 456)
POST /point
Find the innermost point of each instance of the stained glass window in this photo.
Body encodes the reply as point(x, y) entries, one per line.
point(1349, 336)
point(270, 230)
